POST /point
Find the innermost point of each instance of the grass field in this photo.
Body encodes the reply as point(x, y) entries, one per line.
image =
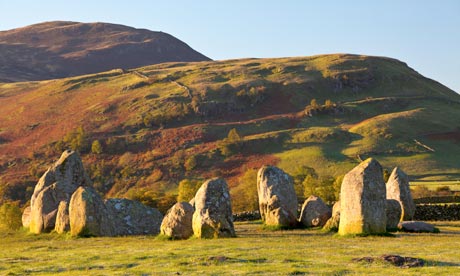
point(254, 251)
point(432, 185)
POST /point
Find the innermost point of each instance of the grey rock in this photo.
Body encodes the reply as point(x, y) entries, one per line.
point(315, 212)
point(129, 217)
point(416, 226)
point(26, 217)
point(57, 184)
point(62, 218)
point(177, 222)
point(393, 210)
point(363, 200)
point(398, 188)
point(332, 224)
point(277, 198)
point(88, 214)
point(213, 210)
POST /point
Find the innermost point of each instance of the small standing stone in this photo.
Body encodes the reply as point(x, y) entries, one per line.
point(177, 222)
point(398, 188)
point(315, 212)
point(213, 210)
point(393, 214)
point(277, 197)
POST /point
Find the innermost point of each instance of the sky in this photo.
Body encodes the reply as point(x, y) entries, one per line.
point(424, 34)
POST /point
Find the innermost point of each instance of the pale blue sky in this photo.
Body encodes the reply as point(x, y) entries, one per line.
point(424, 34)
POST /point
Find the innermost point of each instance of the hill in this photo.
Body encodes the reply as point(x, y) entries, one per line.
point(61, 49)
point(160, 124)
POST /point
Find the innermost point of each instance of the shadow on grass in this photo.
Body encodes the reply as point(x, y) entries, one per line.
point(432, 263)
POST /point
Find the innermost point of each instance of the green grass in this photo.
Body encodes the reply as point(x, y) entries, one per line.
point(432, 185)
point(254, 252)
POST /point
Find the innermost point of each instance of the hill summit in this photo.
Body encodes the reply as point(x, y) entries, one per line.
point(60, 49)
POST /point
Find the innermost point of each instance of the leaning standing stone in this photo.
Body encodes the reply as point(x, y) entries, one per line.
point(177, 223)
point(277, 198)
point(363, 200)
point(398, 188)
point(315, 212)
point(213, 211)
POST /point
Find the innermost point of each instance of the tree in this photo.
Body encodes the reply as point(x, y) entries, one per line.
point(314, 104)
point(191, 163)
point(328, 104)
point(233, 136)
point(187, 189)
point(96, 147)
point(244, 196)
point(322, 187)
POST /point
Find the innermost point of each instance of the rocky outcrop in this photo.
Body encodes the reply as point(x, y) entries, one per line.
point(315, 212)
point(26, 217)
point(62, 218)
point(177, 223)
point(213, 210)
point(397, 188)
point(393, 210)
point(88, 214)
point(57, 184)
point(417, 226)
point(277, 198)
point(363, 200)
point(333, 223)
point(129, 217)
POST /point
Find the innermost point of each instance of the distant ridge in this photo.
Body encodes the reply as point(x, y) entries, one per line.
point(60, 49)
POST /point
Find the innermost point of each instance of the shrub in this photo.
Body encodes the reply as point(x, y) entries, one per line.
point(187, 189)
point(96, 147)
point(10, 216)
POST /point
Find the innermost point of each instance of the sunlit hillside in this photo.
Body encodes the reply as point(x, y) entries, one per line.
point(160, 124)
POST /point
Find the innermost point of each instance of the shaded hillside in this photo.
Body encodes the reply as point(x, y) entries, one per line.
point(160, 124)
point(61, 49)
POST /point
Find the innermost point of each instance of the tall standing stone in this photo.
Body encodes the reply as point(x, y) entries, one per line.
point(398, 188)
point(277, 198)
point(363, 200)
point(57, 184)
point(213, 210)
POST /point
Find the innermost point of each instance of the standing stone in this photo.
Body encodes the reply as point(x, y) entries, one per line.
point(315, 212)
point(129, 217)
point(398, 188)
point(26, 217)
point(57, 184)
point(177, 223)
point(62, 218)
point(332, 224)
point(277, 198)
point(363, 200)
point(88, 215)
point(213, 210)
point(393, 211)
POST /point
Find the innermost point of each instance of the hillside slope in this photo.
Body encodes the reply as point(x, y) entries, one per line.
point(160, 124)
point(61, 49)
